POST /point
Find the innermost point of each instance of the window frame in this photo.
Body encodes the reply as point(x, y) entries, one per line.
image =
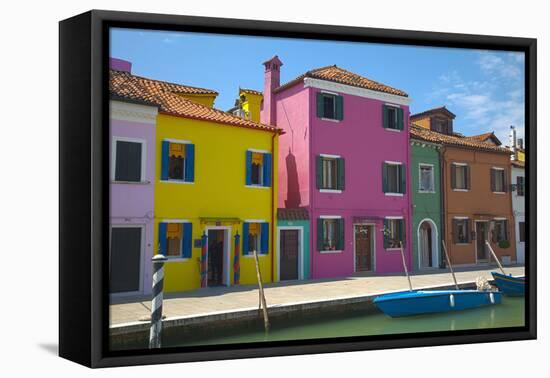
point(522, 186)
point(466, 223)
point(520, 233)
point(464, 166)
point(432, 177)
point(501, 170)
point(180, 257)
point(396, 108)
point(404, 232)
point(143, 143)
point(504, 229)
point(176, 181)
point(336, 242)
point(400, 171)
point(260, 186)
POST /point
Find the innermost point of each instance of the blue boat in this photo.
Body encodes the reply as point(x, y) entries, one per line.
point(509, 285)
point(419, 302)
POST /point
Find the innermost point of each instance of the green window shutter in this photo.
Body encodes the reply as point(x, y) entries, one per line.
point(385, 116)
point(468, 236)
point(467, 175)
point(320, 109)
point(341, 174)
point(400, 120)
point(320, 234)
point(401, 228)
point(341, 232)
point(339, 107)
point(493, 180)
point(403, 178)
point(505, 181)
point(386, 236)
point(319, 172)
point(453, 176)
point(384, 178)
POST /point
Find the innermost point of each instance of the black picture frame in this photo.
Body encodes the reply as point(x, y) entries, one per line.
point(84, 189)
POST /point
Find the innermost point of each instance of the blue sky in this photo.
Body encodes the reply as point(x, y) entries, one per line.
point(485, 89)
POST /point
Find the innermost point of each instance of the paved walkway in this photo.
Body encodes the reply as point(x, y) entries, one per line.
point(221, 299)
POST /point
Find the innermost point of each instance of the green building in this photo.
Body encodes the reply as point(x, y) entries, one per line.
point(292, 251)
point(426, 200)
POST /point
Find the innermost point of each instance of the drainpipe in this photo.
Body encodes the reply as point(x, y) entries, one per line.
point(273, 210)
point(442, 200)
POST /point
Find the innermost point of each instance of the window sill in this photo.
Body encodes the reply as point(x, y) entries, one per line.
point(394, 249)
point(258, 186)
point(329, 252)
point(461, 190)
point(499, 192)
point(177, 182)
point(330, 191)
point(427, 191)
point(394, 194)
point(251, 255)
point(330, 120)
point(177, 259)
point(462, 244)
point(130, 182)
point(393, 130)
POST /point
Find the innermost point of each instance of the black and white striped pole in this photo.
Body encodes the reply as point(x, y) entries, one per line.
point(156, 303)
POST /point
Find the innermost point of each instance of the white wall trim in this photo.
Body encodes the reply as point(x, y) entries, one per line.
point(141, 257)
point(393, 162)
point(330, 191)
point(125, 111)
point(460, 217)
point(258, 151)
point(330, 156)
point(355, 91)
point(330, 216)
point(394, 217)
point(174, 221)
point(178, 141)
point(226, 276)
point(460, 164)
point(435, 244)
point(255, 221)
point(420, 190)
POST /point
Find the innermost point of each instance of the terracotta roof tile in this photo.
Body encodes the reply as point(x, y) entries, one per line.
point(422, 133)
point(519, 164)
point(169, 87)
point(252, 91)
point(125, 85)
point(432, 111)
point(342, 76)
point(292, 214)
point(483, 137)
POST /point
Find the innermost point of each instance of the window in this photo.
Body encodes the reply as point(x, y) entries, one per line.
point(330, 172)
point(392, 117)
point(330, 234)
point(258, 168)
point(128, 161)
point(175, 239)
point(178, 161)
point(441, 125)
point(426, 178)
point(460, 176)
point(394, 233)
point(255, 237)
point(330, 106)
point(393, 178)
point(461, 231)
point(520, 185)
point(498, 180)
point(522, 232)
point(500, 231)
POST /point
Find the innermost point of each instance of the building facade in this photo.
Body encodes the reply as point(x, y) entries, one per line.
point(214, 189)
point(426, 204)
point(518, 193)
point(344, 157)
point(476, 191)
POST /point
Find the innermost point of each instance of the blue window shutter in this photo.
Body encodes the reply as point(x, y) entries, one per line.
point(245, 238)
point(190, 162)
point(187, 239)
point(162, 238)
point(265, 237)
point(267, 169)
point(248, 167)
point(165, 160)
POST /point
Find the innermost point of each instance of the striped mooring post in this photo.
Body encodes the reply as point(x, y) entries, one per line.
point(156, 305)
point(236, 263)
point(204, 265)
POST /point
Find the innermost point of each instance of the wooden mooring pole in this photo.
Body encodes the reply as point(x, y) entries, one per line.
point(405, 266)
point(449, 262)
point(263, 304)
point(495, 257)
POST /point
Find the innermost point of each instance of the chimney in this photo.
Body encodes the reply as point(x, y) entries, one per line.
point(513, 142)
point(120, 65)
point(272, 79)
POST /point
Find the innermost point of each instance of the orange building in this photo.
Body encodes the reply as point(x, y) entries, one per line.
point(477, 201)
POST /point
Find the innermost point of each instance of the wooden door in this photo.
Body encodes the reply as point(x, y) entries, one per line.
point(426, 245)
point(289, 249)
point(125, 259)
point(363, 248)
point(215, 257)
point(482, 232)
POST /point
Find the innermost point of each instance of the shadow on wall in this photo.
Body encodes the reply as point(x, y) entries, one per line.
point(293, 198)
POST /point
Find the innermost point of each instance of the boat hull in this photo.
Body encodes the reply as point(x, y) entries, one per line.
point(425, 302)
point(512, 286)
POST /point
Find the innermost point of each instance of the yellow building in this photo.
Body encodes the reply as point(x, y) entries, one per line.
point(248, 104)
point(215, 191)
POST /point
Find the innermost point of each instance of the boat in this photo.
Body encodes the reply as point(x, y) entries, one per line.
point(418, 302)
point(510, 285)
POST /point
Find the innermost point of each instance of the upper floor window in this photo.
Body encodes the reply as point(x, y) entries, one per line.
point(520, 185)
point(330, 106)
point(128, 160)
point(178, 161)
point(426, 180)
point(258, 168)
point(330, 234)
point(392, 117)
point(441, 125)
point(498, 180)
point(393, 178)
point(330, 172)
point(175, 239)
point(394, 233)
point(460, 176)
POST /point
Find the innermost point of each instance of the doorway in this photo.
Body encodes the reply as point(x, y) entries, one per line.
point(216, 253)
point(427, 244)
point(125, 259)
point(364, 247)
point(289, 248)
point(482, 234)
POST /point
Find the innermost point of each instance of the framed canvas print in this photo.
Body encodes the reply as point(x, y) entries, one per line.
point(235, 188)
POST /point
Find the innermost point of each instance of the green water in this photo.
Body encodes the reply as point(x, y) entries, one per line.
point(510, 313)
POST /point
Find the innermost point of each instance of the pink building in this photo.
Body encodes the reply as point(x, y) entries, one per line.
point(344, 156)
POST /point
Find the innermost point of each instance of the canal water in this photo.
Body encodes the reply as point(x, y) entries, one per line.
point(510, 313)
